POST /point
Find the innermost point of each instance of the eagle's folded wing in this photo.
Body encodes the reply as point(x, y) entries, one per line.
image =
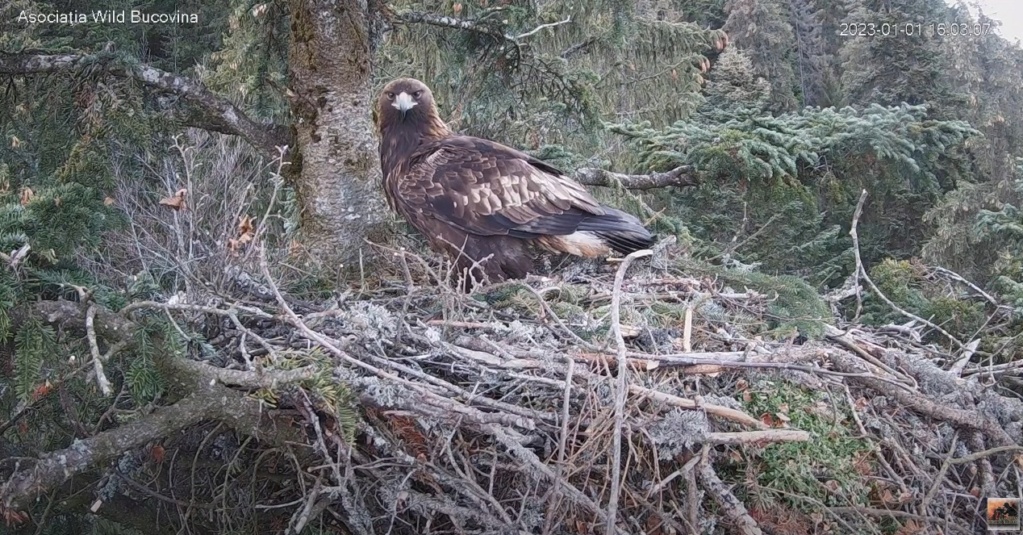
point(485, 188)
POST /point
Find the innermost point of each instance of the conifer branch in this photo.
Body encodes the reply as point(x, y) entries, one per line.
point(682, 176)
point(474, 25)
point(218, 114)
point(433, 19)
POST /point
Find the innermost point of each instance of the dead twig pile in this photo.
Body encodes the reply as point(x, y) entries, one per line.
point(586, 406)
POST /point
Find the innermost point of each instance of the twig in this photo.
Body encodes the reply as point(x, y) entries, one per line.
point(97, 359)
point(957, 277)
point(687, 331)
point(757, 437)
point(309, 510)
point(720, 411)
point(940, 477)
point(686, 468)
point(565, 406)
point(730, 505)
point(621, 388)
point(542, 27)
point(894, 513)
point(875, 289)
point(987, 453)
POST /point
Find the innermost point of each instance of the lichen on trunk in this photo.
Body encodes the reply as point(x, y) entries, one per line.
point(337, 177)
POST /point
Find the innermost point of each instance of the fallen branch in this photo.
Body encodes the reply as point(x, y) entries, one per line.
point(757, 437)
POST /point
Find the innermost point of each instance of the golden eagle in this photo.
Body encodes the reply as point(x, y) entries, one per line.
point(483, 203)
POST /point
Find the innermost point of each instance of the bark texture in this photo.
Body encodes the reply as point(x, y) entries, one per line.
point(338, 175)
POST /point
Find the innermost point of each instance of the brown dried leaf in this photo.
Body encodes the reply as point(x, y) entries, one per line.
point(26, 196)
point(158, 453)
point(246, 228)
point(42, 390)
point(176, 201)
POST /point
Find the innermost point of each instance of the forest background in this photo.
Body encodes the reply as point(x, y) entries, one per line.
point(143, 187)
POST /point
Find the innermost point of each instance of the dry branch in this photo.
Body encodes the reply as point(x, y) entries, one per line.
point(621, 387)
point(863, 273)
point(54, 468)
point(682, 176)
point(962, 418)
point(730, 506)
point(481, 415)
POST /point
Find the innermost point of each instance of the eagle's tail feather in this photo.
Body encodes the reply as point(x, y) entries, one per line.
point(621, 231)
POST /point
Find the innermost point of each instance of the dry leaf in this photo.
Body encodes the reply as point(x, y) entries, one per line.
point(42, 390)
point(109, 201)
point(245, 226)
point(888, 498)
point(457, 8)
point(246, 233)
point(653, 526)
point(158, 453)
point(26, 196)
point(176, 201)
point(14, 518)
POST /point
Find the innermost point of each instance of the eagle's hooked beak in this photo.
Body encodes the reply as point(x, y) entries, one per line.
point(404, 103)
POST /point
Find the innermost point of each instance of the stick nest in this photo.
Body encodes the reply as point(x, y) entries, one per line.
point(666, 403)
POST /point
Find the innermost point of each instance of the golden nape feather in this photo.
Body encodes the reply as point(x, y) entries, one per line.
point(484, 203)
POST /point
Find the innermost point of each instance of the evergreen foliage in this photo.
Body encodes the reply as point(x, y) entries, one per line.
point(615, 58)
point(1004, 227)
point(762, 30)
point(784, 127)
point(798, 174)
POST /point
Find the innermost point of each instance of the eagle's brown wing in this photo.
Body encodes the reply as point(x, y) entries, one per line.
point(488, 189)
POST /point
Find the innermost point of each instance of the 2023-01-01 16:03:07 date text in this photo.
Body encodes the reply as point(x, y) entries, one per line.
point(913, 29)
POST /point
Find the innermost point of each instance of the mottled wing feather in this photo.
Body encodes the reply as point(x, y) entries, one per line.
point(488, 189)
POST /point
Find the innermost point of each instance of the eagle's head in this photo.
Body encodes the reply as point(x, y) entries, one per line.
point(406, 100)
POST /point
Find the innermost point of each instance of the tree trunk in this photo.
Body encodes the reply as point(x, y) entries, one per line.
point(337, 171)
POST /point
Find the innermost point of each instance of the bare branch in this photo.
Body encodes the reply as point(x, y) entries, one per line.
point(57, 467)
point(682, 176)
point(220, 114)
point(863, 272)
point(97, 359)
point(731, 507)
point(543, 27)
point(433, 19)
point(621, 389)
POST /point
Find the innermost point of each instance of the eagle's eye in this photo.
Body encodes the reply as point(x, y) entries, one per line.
point(417, 94)
point(390, 96)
